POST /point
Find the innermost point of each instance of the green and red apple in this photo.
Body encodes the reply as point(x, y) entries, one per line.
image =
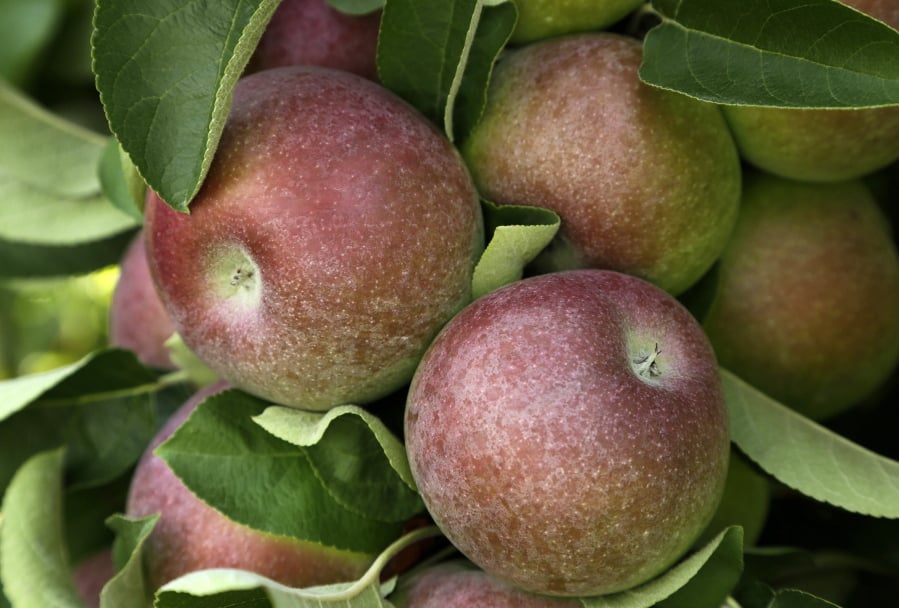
point(806, 305)
point(568, 433)
point(646, 181)
point(312, 32)
point(823, 145)
point(191, 535)
point(745, 503)
point(335, 234)
point(138, 321)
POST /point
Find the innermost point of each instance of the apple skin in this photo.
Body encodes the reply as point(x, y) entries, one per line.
point(335, 234)
point(457, 584)
point(821, 145)
point(805, 308)
point(746, 500)
point(138, 320)
point(552, 444)
point(538, 19)
point(311, 32)
point(92, 574)
point(646, 181)
point(190, 535)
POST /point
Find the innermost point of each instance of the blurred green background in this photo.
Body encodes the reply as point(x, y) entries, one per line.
point(45, 51)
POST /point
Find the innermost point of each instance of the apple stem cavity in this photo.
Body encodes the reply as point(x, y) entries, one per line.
point(646, 364)
point(242, 280)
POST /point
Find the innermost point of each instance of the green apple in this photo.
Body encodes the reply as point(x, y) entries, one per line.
point(820, 145)
point(646, 181)
point(335, 234)
point(806, 308)
point(568, 433)
point(539, 19)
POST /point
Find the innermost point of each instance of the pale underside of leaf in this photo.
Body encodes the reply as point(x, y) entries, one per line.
point(303, 428)
point(809, 457)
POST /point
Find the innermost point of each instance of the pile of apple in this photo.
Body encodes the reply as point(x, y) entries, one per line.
point(567, 432)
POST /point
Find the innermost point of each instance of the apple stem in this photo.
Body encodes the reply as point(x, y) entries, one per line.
point(647, 366)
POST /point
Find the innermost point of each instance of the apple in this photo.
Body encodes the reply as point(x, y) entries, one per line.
point(539, 19)
point(311, 32)
point(335, 234)
point(820, 145)
point(138, 320)
point(568, 434)
point(808, 286)
point(745, 503)
point(190, 535)
point(457, 584)
point(646, 181)
point(92, 574)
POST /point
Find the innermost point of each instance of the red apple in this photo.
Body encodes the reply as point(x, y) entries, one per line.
point(138, 320)
point(311, 32)
point(568, 432)
point(190, 535)
point(92, 574)
point(335, 234)
point(458, 585)
point(646, 181)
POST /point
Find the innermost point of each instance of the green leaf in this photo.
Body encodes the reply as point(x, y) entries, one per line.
point(26, 28)
point(363, 464)
point(807, 456)
point(121, 182)
point(127, 587)
point(792, 53)
point(439, 55)
point(36, 571)
point(516, 235)
point(357, 7)
point(703, 576)
point(24, 260)
point(49, 188)
point(102, 408)
point(166, 72)
point(268, 484)
point(222, 587)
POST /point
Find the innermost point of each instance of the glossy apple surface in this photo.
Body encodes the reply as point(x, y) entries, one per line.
point(311, 32)
point(190, 535)
point(646, 181)
point(568, 432)
point(336, 232)
point(806, 303)
point(459, 585)
point(138, 320)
